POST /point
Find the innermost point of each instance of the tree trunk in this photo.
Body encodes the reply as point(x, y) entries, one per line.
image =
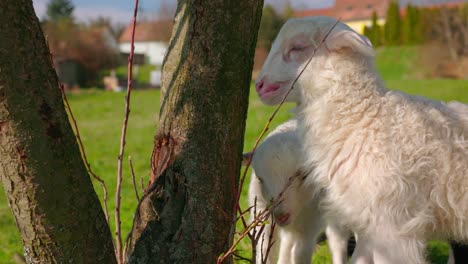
point(187, 213)
point(46, 182)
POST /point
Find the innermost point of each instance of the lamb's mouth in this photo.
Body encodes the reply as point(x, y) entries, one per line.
point(282, 219)
point(269, 90)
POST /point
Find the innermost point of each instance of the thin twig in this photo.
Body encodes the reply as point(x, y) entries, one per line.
point(243, 213)
point(253, 236)
point(142, 184)
point(271, 242)
point(118, 235)
point(239, 257)
point(133, 177)
point(83, 152)
point(259, 219)
point(78, 137)
point(265, 213)
point(233, 185)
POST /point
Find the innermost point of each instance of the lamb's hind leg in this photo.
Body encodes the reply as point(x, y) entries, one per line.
point(399, 250)
point(363, 253)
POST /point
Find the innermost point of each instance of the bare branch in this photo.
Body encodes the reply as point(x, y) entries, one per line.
point(271, 242)
point(118, 235)
point(142, 184)
point(239, 257)
point(133, 177)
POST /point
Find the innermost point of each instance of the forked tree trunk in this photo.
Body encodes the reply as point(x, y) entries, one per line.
point(187, 213)
point(46, 182)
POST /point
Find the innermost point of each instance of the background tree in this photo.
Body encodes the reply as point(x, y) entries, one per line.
point(115, 28)
point(47, 185)
point(269, 27)
point(411, 26)
point(166, 10)
point(288, 11)
point(392, 28)
point(187, 213)
point(59, 9)
point(86, 46)
point(448, 27)
point(374, 32)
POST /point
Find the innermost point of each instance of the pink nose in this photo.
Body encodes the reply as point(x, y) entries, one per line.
point(259, 86)
point(281, 218)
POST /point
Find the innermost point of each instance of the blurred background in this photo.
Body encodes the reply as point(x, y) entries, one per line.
point(90, 40)
point(422, 48)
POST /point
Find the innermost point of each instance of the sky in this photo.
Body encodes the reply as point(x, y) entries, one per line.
point(121, 11)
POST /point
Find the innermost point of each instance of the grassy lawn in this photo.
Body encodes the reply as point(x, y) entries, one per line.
point(100, 116)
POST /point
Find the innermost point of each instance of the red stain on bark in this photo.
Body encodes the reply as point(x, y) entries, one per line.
point(162, 157)
point(3, 125)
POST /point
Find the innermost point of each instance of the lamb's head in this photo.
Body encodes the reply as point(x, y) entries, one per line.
point(276, 165)
point(296, 42)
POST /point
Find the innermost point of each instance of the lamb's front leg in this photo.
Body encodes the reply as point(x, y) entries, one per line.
point(286, 246)
point(307, 228)
point(337, 238)
point(304, 246)
point(297, 246)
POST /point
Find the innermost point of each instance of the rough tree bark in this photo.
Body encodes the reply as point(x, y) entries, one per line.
point(187, 212)
point(46, 182)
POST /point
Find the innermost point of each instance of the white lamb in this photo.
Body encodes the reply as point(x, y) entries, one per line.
point(395, 166)
point(297, 215)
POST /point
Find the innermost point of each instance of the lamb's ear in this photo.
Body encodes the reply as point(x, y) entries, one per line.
point(246, 157)
point(350, 39)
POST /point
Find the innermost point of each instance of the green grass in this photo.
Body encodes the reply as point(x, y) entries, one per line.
point(100, 116)
point(396, 63)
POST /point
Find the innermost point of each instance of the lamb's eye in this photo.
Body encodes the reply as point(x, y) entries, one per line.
point(295, 51)
point(297, 47)
point(260, 179)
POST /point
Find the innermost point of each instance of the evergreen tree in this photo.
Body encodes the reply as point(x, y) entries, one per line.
point(411, 28)
point(288, 11)
point(392, 28)
point(367, 32)
point(376, 31)
point(59, 10)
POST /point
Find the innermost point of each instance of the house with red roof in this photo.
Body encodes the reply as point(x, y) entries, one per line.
point(151, 41)
point(356, 14)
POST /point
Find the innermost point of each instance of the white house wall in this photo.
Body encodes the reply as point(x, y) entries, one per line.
point(154, 51)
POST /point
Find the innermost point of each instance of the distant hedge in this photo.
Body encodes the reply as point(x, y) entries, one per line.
point(416, 25)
